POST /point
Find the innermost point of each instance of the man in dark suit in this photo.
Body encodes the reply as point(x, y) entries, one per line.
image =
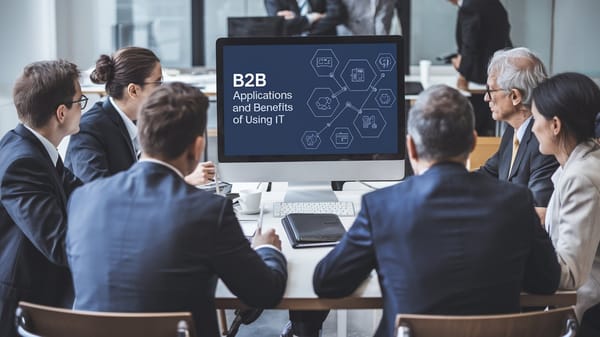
point(308, 17)
point(145, 240)
point(513, 74)
point(482, 27)
point(34, 188)
point(444, 226)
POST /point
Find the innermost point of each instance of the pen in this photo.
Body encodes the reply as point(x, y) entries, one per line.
point(260, 219)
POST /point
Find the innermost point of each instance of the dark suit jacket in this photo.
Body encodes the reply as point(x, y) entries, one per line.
point(32, 227)
point(445, 242)
point(144, 240)
point(531, 168)
point(482, 28)
point(102, 147)
point(335, 11)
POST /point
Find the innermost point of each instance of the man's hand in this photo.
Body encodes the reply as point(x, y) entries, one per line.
point(268, 238)
point(203, 173)
point(456, 61)
point(288, 15)
point(462, 83)
point(314, 17)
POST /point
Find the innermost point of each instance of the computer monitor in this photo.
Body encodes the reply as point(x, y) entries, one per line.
point(255, 26)
point(306, 109)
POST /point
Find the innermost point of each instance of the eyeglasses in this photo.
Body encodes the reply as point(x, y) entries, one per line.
point(82, 101)
point(489, 91)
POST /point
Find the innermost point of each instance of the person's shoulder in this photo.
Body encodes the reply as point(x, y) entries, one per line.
point(13, 148)
point(585, 165)
point(96, 114)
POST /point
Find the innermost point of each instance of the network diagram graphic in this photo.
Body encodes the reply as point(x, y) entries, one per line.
point(327, 103)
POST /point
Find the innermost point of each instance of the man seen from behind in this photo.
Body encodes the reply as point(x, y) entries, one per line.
point(152, 242)
point(478, 237)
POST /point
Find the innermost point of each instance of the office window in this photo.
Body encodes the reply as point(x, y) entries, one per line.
point(162, 26)
point(215, 21)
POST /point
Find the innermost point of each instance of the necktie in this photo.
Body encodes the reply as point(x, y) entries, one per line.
point(515, 149)
point(60, 167)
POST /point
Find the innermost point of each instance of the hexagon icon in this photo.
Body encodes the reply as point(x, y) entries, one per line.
point(385, 62)
point(358, 75)
point(369, 123)
point(322, 102)
point(324, 62)
point(341, 138)
point(385, 98)
point(311, 140)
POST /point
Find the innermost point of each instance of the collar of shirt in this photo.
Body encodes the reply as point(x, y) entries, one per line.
point(131, 128)
point(160, 162)
point(460, 2)
point(521, 131)
point(52, 151)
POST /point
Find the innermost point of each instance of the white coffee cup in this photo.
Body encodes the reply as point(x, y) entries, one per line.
point(249, 201)
point(424, 67)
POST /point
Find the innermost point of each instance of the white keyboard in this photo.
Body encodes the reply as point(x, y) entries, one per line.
point(340, 208)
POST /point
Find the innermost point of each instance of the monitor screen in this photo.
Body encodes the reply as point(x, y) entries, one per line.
point(255, 26)
point(311, 108)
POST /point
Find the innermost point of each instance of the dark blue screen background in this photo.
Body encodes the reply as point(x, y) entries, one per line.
point(288, 69)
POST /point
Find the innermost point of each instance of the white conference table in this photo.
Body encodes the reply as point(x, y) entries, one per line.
point(299, 292)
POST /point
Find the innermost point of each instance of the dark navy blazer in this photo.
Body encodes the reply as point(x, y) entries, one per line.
point(102, 147)
point(531, 168)
point(32, 227)
point(445, 242)
point(145, 240)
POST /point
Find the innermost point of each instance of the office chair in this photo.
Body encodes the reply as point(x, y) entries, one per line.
point(35, 320)
point(552, 323)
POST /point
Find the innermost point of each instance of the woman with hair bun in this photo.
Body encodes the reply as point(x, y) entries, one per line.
point(564, 110)
point(107, 142)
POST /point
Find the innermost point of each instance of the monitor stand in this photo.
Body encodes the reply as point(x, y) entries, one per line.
point(310, 192)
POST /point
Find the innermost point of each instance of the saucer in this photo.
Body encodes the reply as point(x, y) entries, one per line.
point(249, 211)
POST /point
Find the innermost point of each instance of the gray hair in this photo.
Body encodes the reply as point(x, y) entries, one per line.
point(441, 123)
point(518, 68)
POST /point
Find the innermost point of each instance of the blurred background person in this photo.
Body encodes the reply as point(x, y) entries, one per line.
point(482, 28)
point(308, 17)
point(564, 109)
point(368, 17)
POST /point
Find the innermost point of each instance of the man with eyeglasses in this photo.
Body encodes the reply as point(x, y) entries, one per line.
point(512, 76)
point(34, 189)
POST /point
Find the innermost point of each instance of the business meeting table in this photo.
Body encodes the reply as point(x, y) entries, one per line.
point(299, 293)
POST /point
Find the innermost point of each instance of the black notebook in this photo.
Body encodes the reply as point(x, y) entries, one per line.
point(313, 230)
